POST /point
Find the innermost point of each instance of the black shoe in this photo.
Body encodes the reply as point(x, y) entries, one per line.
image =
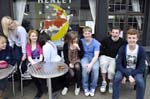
point(38, 95)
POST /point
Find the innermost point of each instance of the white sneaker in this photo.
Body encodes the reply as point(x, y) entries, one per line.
point(86, 92)
point(64, 91)
point(103, 86)
point(77, 91)
point(92, 92)
point(110, 90)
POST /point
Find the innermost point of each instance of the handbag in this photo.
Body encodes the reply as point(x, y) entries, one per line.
point(3, 65)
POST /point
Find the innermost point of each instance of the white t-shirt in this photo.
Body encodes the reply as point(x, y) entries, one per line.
point(50, 52)
point(131, 57)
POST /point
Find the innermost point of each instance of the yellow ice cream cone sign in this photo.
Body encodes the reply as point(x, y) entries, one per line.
point(60, 22)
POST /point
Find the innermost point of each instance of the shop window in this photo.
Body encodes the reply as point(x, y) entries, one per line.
point(42, 15)
point(126, 14)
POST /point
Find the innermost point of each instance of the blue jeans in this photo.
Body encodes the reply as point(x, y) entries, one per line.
point(85, 74)
point(140, 85)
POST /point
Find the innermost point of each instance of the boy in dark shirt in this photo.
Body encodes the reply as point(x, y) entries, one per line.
point(110, 46)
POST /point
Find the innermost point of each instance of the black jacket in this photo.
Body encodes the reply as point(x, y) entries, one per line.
point(65, 52)
point(8, 55)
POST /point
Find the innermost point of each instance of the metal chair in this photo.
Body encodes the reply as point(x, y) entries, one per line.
point(147, 65)
point(24, 76)
point(12, 77)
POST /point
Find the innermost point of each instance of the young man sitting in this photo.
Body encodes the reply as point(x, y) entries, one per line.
point(130, 64)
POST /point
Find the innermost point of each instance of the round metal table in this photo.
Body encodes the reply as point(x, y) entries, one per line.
point(48, 70)
point(6, 72)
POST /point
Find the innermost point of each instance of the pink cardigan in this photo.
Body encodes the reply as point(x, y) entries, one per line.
point(29, 51)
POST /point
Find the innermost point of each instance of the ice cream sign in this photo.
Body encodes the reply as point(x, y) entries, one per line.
point(59, 25)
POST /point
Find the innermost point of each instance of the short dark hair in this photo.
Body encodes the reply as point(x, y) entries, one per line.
point(116, 27)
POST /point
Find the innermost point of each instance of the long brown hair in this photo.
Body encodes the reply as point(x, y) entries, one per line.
point(71, 35)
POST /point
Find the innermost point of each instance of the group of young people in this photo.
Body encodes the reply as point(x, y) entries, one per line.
point(81, 55)
point(117, 60)
point(120, 60)
point(16, 46)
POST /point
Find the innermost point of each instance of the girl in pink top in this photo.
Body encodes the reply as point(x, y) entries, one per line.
point(34, 55)
point(33, 49)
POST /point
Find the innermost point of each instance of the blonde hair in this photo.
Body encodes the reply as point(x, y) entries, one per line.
point(87, 29)
point(3, 37)
point(5, 22)
point(29, 34)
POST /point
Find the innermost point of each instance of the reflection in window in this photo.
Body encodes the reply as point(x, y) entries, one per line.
point(116, 20)
point(117, 5)
point(134, 22)
point(136, 5)
point(126, 14)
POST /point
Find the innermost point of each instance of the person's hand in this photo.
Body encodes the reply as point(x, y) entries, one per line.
point(32, 63)
point(71, 65)
point(124, 80)
point(89, 66)
point(132, 80)
point(23, 57)
point(76, 45)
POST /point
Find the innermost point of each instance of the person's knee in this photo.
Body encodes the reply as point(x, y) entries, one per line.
point(77, 66)
point(84, 69)
point(117, 77)
point(111, 71)
point(103, 68)
point(95, 71)
point(84, 72)
point(140, 81)
point(103, 63)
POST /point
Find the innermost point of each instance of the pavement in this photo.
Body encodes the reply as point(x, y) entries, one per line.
point(127, 92)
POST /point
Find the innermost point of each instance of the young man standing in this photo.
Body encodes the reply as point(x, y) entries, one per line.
point(130, 64)
point(109, 49)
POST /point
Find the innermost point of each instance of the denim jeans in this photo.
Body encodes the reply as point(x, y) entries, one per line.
point(140, 85)
point(85, 74)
